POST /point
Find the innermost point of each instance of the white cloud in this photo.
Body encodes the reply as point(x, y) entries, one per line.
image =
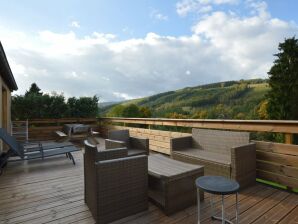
point(155, 14)
point(223, 46)
point(183, 7)
point(123, 96)
point(75, 24)
point(258, 8)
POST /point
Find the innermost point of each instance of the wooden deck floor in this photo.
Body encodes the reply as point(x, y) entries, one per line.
point(51, 191)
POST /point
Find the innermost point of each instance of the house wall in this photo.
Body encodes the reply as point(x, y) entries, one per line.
point(5, 109)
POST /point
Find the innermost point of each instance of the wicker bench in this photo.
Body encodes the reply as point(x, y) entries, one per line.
point(172, 183)
point(222, 153)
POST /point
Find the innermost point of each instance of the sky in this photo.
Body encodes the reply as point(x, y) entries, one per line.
point(120, 50)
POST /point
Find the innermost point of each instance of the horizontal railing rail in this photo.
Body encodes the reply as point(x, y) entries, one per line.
point(279, 126)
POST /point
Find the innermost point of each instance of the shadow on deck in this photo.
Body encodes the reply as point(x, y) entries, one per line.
point(52, 191)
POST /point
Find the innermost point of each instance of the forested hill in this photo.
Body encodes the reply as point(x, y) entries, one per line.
point(225, 100)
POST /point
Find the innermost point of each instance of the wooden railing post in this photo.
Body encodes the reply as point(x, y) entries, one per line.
point(288, 138)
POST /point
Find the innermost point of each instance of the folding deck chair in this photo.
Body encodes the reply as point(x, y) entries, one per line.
point(33, 150)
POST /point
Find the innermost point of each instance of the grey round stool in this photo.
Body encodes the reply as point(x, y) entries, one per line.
point(220, 186)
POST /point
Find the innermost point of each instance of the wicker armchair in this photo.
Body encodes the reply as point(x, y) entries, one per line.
point(121, 138)
point(222, 153)
point(116, 186)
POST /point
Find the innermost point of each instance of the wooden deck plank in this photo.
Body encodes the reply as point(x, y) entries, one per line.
point(50, 211)
point(66, 196)
point(88, 220)
point(72, 218)
point(206, 209)
point(278, 212)
point(244, 204)
point(51, 191)
point(38, 196)
point(262, 207)
point(40, 207)
point(21, 193)
point(244, 197)
point(58, 215)
point(291, 218)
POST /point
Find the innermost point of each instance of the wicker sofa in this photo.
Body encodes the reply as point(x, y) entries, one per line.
point(222, 153)
point(112, 190)
point(121, 138)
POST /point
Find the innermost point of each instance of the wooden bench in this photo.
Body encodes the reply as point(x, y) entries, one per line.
point(172, 183)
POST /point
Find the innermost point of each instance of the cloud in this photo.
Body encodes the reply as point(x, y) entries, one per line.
point(184, 7)
point(123, 96)
point(75, 24)
point(187, 72)
point(155, 14)
point(222, 47)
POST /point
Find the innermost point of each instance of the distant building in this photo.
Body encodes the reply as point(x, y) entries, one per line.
point(7, 84)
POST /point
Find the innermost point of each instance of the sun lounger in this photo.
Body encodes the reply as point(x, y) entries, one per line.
point(33, 150)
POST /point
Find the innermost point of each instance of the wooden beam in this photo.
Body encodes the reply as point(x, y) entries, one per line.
point(287, 149)
point(280, 169)
point(277, 178)
point(276, 126)
point(283, 159)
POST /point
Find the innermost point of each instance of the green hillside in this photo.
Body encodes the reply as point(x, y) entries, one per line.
point(224, 100)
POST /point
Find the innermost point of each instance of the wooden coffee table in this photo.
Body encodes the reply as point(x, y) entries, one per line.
point(172, 183)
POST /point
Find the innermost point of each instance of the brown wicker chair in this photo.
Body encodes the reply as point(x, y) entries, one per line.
point(116, 186)
point(121, 138)
point(222, 153)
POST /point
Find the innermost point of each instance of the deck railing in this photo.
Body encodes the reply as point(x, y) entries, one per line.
point(44, 129)
point(276, 162)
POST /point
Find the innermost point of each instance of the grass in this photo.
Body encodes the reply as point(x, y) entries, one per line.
point(273, 184)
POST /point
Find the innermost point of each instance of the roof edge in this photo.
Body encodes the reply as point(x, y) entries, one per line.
point(7, 76)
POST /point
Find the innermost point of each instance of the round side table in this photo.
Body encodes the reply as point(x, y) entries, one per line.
point(220, 186)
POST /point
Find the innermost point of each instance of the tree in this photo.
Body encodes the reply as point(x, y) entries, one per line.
point(35, 104)
point(116, 111)
point(283, 80)
point(202, 114)
point(34, 89)
point(83, 106)
point(131, 110)
point(145, 112)
point(262, 110)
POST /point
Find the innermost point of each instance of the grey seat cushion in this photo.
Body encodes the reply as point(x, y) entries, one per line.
point(206, 155)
